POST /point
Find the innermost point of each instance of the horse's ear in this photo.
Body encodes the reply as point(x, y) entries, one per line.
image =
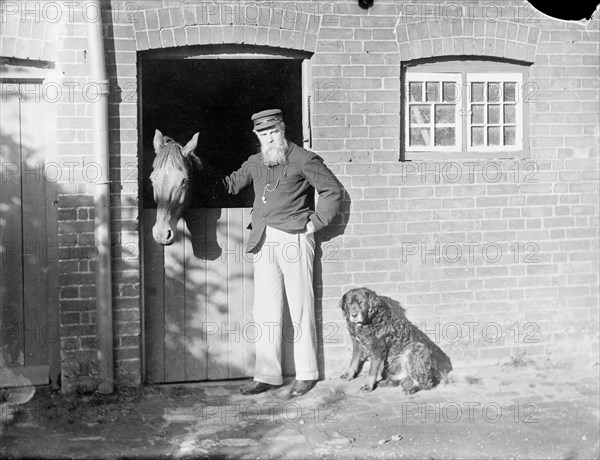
point(190, 146)
point(158, 141)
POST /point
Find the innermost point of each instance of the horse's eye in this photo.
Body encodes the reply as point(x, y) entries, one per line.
point(184, 183)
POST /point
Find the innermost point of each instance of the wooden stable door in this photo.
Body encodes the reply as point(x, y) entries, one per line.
point(198, 298)
point(29, 334)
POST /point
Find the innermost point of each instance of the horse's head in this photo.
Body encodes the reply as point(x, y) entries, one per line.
point(172, 171)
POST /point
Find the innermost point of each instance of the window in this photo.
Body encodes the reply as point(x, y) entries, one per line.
point(464, 112)
point(433, 121)
point(494, 113)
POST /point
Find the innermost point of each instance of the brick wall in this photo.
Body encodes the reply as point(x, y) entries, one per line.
point(29, 30)
point(499, 261)
point(76, 226)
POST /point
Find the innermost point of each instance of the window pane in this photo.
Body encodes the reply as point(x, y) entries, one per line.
point(494, 135)
point(510, 113)
point(415, 91)
point(509, 91)
point(494, 114)
point(477, 135)
point(477, 92)
point(478, 116)
point(450, 91)
point(420, 114)
point(420, 136)
point(510, 135)
point(493, 92)
point(432, 91)
point(445, 113)
point(444, 136)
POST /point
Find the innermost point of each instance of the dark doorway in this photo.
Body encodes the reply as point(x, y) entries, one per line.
point(198, 292)
point(217, 97)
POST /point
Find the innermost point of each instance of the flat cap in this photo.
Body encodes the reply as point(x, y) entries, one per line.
point(266, 119)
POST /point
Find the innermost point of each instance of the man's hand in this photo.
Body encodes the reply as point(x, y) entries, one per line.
point(310, 228)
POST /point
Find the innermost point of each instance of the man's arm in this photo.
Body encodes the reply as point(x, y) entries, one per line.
point(239, 179)
point(328, 188)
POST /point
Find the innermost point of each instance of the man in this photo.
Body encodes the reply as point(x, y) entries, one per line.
point(284, 220)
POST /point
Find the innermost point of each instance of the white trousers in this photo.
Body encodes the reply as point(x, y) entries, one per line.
point(283, 269)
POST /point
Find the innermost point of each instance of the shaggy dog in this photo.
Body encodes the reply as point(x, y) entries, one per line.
point(400, 353)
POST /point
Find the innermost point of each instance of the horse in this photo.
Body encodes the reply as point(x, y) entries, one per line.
point(173, 169)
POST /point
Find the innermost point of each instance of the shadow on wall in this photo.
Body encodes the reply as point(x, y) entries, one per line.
point(326, 252)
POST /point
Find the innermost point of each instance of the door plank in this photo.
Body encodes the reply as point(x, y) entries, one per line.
point(154, 300)
point(248, 287)
point(235, 289)
point(52, 334)
point(11, 270)
point(195, 298)
point(216, 289)
point(175, 308)
point(25, 376)
point(35, 268)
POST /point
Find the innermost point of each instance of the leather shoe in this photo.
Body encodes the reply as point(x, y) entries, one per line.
point(301, 387)
point(256, 388)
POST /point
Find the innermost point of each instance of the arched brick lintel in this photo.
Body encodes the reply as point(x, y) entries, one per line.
point(468, 37)
point(183, 26)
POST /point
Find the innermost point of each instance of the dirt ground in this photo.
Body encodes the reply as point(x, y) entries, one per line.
point(512, 411)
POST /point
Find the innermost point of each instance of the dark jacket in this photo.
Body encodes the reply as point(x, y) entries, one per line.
point(284, 194)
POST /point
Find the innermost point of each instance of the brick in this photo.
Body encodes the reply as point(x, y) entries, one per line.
point(375, 46)
point(180, 39)
point(227, 33)
point(367, 59)
point(192, 35)
point(216, 35)
point(367, 108)
point(167, 38)
point(75, 306)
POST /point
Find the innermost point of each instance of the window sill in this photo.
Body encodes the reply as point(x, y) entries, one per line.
point(523, 154)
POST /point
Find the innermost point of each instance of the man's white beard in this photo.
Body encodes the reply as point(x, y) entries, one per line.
point(274, 154)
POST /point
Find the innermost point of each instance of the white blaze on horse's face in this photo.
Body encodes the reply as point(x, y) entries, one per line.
point(170, 179)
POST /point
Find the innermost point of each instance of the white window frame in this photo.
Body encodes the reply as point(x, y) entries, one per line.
point(501, 78)
point(468, 71)
point(436, 77)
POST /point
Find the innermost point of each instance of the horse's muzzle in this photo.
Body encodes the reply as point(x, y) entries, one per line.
point(164, 236)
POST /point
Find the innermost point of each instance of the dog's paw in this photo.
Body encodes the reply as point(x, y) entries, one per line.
point(367, 387)
point(410, 391)
point(348, 375)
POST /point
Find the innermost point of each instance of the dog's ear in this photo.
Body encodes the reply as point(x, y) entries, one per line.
point(343, 302)
point(343, 307)
point(375, 303)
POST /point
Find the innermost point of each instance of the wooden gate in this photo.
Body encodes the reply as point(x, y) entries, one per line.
point(29, 334)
